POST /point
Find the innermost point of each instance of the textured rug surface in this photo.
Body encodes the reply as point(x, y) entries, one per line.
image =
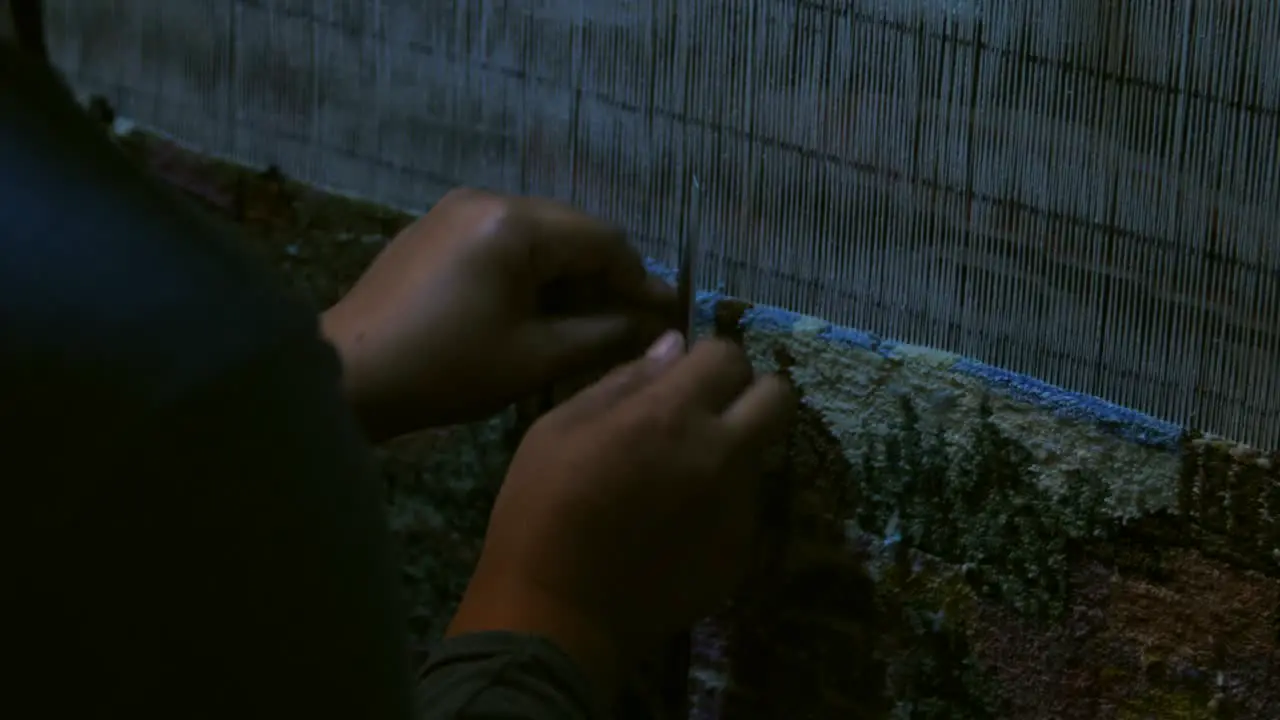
point(960, 542)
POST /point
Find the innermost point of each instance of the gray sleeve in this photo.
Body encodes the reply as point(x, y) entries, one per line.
point(498, 675)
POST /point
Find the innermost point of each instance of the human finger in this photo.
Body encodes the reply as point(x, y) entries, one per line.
point(625, 380)
point(569, 295)
point(710, 377)
point(564, 242)
point(561, 346)
point(656, 293)
point(759, 415)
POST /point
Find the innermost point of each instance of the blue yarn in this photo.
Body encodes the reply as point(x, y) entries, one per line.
point(1123, 422)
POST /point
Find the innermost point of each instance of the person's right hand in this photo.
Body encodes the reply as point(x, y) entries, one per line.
point(629, 511)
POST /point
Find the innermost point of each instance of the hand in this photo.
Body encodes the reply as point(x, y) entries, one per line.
point(630, 510)
point(486, 299)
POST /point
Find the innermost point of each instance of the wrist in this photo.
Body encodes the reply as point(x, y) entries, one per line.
point(494, 603)
point(359, 399)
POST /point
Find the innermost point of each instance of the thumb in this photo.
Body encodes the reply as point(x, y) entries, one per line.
point(564, 347)
point(624, 380)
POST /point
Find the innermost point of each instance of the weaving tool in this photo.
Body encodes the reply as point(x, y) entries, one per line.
point(664, 686)
point(686, 294)
point(661, 690)
point(678, 653)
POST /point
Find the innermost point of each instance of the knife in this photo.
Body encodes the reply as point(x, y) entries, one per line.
point(686, 293)
point(670, 670)
point(678, 653)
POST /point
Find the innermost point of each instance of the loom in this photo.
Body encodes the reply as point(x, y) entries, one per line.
point(1019, 257)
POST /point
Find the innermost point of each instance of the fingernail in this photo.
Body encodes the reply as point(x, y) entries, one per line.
point(666, 347)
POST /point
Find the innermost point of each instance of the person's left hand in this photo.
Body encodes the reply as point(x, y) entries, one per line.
point(486, 299)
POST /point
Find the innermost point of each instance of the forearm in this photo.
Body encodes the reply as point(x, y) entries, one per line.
point(374, 419)
point(494, 602)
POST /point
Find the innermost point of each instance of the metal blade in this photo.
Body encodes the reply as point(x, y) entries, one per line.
point(678, 653)
point(686, 292)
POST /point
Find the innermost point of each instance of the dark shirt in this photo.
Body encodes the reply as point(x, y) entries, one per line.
point(194, 528)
